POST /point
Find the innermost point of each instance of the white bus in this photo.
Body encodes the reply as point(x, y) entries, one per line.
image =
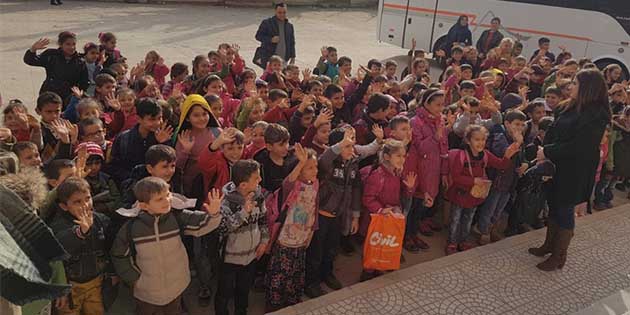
point(598, 29)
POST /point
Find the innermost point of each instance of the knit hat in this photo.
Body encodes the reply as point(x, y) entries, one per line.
point(190, 101)
point(510, 100)
point(92, 149)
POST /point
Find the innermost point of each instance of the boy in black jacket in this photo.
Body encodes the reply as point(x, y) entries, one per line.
point(130, 146)
point(81, 231)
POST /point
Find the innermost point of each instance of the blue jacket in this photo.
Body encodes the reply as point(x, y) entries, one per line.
point(498, 141)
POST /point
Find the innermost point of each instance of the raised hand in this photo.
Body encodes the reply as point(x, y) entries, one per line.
point(22, 117)
point(227, 136)
point(306, 74)
point(307, 100)
point(410, 180)
point(80, 163)
point(60, 130)
point(76, 91)
point(235, 47)
point(348, 136)
point(324, 51)
point(73, 131)
point(324, 117)
point(41, 43)
point(113, 102)
point(186, 140)
point(164, 133)
point(413, 44)
point(85, 220)
point(378, 132)
point(5, 134)
point(300, 153)
point(215, 198)
point(248, 134)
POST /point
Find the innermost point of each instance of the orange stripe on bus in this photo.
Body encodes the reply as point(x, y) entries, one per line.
point(473, 17)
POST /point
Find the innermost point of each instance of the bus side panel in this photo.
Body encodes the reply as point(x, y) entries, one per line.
point(392, 21)
point(518, 22)
point(420, 23)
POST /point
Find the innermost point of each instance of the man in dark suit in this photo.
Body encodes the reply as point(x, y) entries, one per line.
point(276, 37)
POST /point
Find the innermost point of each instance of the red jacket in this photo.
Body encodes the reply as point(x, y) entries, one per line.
point(462, 180)
point(432, 154)
point(215, 169)
point(230, 107)
point(280, 115)
point(382, 189)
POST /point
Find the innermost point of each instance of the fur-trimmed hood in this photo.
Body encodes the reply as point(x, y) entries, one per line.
point(29, 184)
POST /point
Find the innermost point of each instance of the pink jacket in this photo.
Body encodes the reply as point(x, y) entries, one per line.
point(432, 154)
point(230, 106)
point(382, 189)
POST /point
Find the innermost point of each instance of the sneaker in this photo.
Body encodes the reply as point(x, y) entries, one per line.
point(609, 204)
point(464, 246)
point(410, 245)
point(450, 249)
point(314, 291)
point(621, 187)
point(425, 229)
point(435, 226)
point(421, 244)
point(599, 206)
point(332, 282)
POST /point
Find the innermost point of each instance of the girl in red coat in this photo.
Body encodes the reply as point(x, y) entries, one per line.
point(383, 187)
point(468, 169)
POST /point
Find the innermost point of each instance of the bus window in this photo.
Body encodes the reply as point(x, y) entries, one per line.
point(620, 10)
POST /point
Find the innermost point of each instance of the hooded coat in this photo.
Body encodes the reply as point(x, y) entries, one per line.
point(187, 160)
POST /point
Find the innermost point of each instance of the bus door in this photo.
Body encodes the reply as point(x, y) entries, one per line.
point(420, 24)
point(403, 20)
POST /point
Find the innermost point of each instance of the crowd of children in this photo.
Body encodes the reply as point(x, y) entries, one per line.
point(256, 179)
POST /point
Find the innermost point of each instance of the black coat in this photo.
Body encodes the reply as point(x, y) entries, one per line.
point(61, 73)
point(494, 41)
point(269, 28)
point(572, 144)
point(458, 34)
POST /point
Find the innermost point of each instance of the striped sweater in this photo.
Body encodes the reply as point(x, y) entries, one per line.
point(243, 231)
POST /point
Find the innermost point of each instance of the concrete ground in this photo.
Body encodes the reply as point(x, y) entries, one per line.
point(501, 278)
point(177, 32)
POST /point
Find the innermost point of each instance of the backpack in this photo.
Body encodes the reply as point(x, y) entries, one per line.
point(277, 212)
point(459, 155)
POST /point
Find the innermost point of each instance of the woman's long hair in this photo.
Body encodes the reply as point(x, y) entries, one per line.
point(592, 92)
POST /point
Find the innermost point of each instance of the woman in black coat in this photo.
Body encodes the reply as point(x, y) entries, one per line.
point(64, 67)
point(459, 33)
point(572, 144)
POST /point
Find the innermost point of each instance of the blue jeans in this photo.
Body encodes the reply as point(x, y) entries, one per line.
point(491, 210)
point(461, 220)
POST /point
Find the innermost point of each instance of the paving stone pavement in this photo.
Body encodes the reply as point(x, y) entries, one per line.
point(500, 278)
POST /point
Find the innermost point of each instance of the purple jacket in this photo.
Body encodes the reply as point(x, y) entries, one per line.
point(432, 154)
